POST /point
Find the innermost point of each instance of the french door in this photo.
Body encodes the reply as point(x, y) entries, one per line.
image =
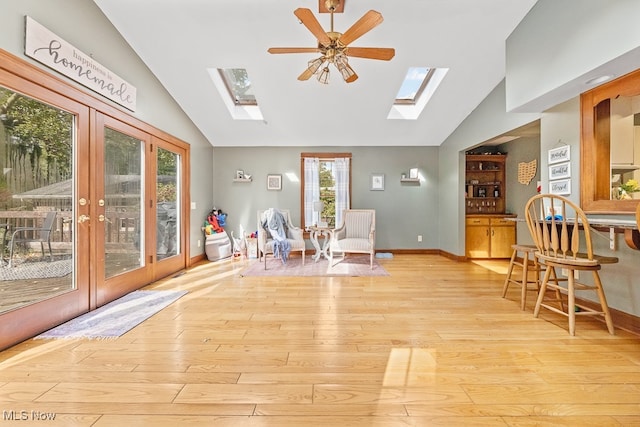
point(136, 210)
point(120, 209)
point(92, 205)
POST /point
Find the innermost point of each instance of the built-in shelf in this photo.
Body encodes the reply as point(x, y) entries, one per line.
point(242, 180)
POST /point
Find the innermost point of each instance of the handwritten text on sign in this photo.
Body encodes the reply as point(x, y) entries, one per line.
point(52, 51)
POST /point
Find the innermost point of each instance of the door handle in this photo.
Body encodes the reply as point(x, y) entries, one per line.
point(83, 218)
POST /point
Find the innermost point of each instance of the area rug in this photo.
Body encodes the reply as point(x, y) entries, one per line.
point(352, 265)
point(36, 270)
point(115, 318)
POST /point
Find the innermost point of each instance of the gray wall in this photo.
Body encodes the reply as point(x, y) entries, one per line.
point(487, 121)
point(82, 24)
point(521, 150)
point(403, 211)
point(530, 73)
point(559, 45)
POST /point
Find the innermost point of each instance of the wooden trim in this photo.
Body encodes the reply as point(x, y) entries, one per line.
point(197, 259)
point(326, 155)
point(595, 151)
point(621, 320)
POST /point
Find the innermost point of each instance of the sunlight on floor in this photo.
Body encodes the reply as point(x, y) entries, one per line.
point(499, 266)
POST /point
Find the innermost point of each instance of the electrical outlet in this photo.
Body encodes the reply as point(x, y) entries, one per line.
point(419, 237)
point(612, 239)
point(199, 243)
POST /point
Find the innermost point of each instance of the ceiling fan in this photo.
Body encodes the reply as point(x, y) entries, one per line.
point(334, 47)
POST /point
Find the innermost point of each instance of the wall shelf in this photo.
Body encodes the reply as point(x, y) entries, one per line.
point(242, 180)
point(410, 180)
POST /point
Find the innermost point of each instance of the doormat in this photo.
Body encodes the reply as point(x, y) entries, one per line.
point(115, 318)
point(349, 266)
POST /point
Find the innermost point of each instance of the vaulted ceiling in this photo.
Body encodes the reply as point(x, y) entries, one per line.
point(180, 40)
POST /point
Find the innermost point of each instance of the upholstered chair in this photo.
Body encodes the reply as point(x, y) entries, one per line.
point(266, 243)
point(356, 234)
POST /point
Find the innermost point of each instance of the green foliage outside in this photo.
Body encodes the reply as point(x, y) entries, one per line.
point(327, 192)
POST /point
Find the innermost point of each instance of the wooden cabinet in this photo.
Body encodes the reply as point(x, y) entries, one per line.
point(489, 236)
point(485, 183)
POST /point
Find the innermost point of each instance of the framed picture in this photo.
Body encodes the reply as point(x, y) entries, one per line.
point(239, 174)
point(274, 182)
point(377, 181)
point(559, 171)
point(413, 173)
point(560, 187)
point(560, 154)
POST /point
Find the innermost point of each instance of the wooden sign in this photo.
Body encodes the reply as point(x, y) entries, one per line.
point(52, 51)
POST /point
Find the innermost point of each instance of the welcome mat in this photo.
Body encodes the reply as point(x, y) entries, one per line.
point(115, 318)
point(349, 266)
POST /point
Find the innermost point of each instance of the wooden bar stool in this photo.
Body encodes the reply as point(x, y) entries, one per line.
point(521, 257)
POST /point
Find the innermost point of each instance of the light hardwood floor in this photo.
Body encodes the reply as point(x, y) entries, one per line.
point(433, 344)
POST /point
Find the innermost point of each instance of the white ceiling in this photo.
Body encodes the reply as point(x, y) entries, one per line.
point(180, 39)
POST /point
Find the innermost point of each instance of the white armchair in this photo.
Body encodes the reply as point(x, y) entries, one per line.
point(266, 244)
point(356, 234)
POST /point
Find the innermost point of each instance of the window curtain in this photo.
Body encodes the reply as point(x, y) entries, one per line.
point(342, 168)
point(311, 187)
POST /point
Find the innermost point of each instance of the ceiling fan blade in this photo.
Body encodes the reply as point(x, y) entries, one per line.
point(293, 50)
point(310, 21)
point(363, 25)
point(382, 53)
point(306, 75)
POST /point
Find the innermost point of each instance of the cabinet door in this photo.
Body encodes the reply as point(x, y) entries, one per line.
point(478, 241)
point(502, 237)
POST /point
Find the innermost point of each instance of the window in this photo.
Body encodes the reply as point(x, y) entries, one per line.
point(326, 177)
point(238, 85)
point(236, 91)
point(416, 89)
point(413, 84)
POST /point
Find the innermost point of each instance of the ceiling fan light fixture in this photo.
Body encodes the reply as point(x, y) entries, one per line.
point(323, 77)
point(334, 46)
point(314, 65)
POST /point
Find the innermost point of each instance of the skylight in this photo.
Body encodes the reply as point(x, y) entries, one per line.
point(236, 91)
point(238, 85)
point(416, 89)
point(413, 84)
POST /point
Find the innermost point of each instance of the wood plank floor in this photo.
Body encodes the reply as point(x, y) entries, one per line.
point(433, 344)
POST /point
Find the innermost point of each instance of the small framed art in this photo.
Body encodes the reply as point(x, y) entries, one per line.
point(274, 182)
point(561, 187)
point(560, 170)
point(560, 154)
point(377, 181)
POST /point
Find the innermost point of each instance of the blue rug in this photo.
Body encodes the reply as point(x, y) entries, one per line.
point(115, 318)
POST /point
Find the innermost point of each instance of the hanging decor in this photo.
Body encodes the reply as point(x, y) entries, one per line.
point(526, 171)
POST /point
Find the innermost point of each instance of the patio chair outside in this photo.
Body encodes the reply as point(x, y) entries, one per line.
point(33, 234)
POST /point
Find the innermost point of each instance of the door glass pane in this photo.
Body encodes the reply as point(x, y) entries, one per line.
point(167, 196)
point(123, 195)
point(36, 201)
